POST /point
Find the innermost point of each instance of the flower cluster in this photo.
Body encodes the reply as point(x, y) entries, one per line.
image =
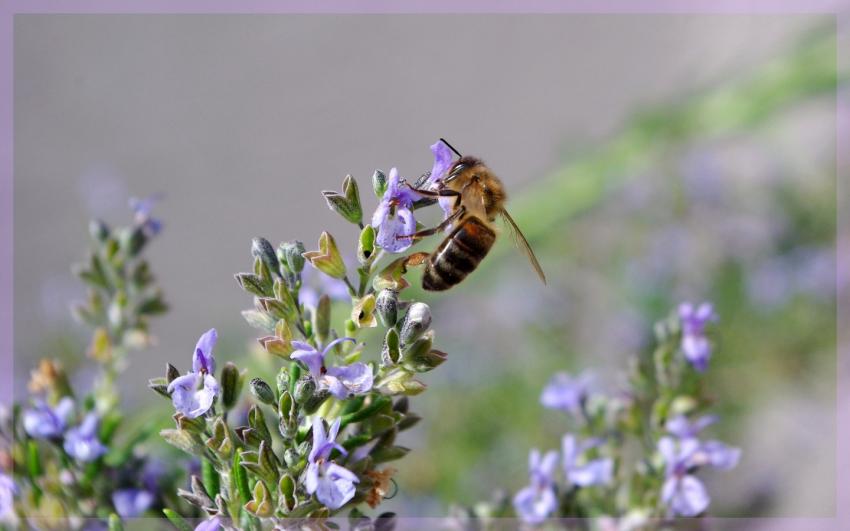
point(320, 429)
point(597, 475)
point(61, 456)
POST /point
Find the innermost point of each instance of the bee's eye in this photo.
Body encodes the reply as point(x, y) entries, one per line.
point(455, 172)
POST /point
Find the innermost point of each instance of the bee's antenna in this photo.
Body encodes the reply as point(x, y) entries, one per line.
point(443, 140)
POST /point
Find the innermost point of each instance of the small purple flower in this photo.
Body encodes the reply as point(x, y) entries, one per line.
point(695, 345)
point(682, 492)
point(142, 211)
point(394, 216)
point(193, 394)
point(82, 442)
point(681, 427)
point(343, 382)
point(8, 491)
point(593, 472)
point(213, 524)
point(203, 360)
point(313, 286)
point(442, 164)
point(131, 503)
point(565, 392)
point(537, 501)
point(44, 422)
point(332, 484)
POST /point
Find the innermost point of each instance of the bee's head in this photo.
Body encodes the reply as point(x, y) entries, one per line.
point(463, 169)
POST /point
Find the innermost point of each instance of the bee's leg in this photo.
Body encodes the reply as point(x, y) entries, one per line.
point(439, 228)
point(438, 193)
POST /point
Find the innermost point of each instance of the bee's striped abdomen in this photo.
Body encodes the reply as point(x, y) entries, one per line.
point(458, 255)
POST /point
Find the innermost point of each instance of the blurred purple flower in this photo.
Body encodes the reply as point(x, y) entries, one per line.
point(132, 503)
point(44, 422)
point(332, 484)
point(203, 360)
point(682, 492)
point(213, 524)
point(695, 346)
point(394, 216)
point(593, 472)
point(565, 392)
point(313, 286)
point(8, 491)
point(681, 427)
point(142, 214)
point(194, 393)
point(82, 443)
point(342, 382)
point(442, 164)
point(535, 502)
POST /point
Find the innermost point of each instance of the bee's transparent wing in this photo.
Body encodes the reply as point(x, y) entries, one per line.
point(522, 243)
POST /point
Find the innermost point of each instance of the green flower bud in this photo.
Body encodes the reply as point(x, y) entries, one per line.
point(346, 204)
point(390, 353)
point(304, 389)
point(416, 322)
point(98, 230)
point(327, 259)
point(262, 392)
point(262, 249)
point(253, 284)
point(323, 318)
point(231, 385)
point(363, 312)
point(257, 421)
point(261, 505)
point(366, 245)
point(282, 381)
point(386, 306)
point(419, 357)
point(286, 493)
point(290, 254)
point(379, 183)
point(313, 403)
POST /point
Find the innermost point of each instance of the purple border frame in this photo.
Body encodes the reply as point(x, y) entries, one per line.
point(839, 8)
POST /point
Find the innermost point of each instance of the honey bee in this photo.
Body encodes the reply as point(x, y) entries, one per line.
point(479, 198)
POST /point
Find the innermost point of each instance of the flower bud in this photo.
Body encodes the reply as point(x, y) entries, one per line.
point(98, 230)
point(286, 492)
point(379, 183)
point(327, 259)
point(386, 306)
point(419, 357)
point(313, 403)
point(261, 505)
point(257, 421)
point(253, 284)
point(346, 204)
point(390, 354)
point(304, 389)
point(290, 254)
point(366, 245)
point(323, 318)
point(282, 380)
point(262, 391)
point(262, 249)
point(416, 322)
point(291, 457)
point(231, 385)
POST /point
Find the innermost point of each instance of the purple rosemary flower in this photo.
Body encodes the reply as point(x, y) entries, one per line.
point(82, 443)
point(343, 382)
point(394, 216)
point(213, 524)
point(203, 360)
point(142, 211)
point(44, 422)
point(442, 164)
point(681, 427)
point(565, 392)
point(593, 472)
point(132, 503)
point(313, 286)
point(535, 502)
point(194, 393)
point(8, 491)
point(682, 492)
point(332, 484)
point(695, 345)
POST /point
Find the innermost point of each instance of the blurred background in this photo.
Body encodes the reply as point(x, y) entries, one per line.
point(650, 160)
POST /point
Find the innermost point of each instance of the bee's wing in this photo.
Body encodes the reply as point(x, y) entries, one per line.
point(522, 243)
